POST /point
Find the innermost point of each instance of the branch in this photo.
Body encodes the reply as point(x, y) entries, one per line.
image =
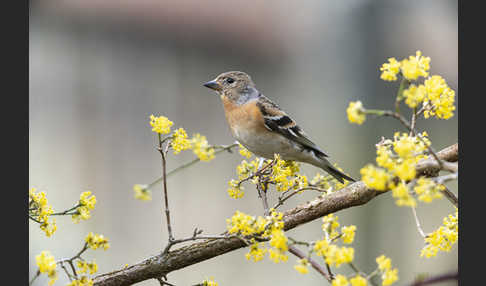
point(436, 279)
point(355, 194)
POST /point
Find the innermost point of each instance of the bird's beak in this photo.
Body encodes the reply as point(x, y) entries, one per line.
point(213, 85)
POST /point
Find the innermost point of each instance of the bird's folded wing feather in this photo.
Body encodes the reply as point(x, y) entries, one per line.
point(278, 121)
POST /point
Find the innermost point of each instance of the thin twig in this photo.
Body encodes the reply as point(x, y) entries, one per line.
point(35, 277)
point(451, 196)
point(281, 199)
point(164, 176)
point(417, 222)
point(221, 148)
point(66, 212)
point(295, 251)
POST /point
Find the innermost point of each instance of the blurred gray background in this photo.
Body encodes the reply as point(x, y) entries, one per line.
point(98, 69)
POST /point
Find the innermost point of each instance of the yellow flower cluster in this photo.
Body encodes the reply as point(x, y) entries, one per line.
point(83, 281)
point(390, 70)
point(142, 192)
point(201, 148)
point(348, 234)
point(160, 124)
point(341, 280)
point(235, 191)
point(440, 98)
point(411, 68)
point(443, 238)
point(47, 264)
point(356, 112)
point(179, 141)
point(209, 282)
point(95, 241)
point(257, 251)
point(285, 175)
point(243, 224)
point(279, 243)
point(388, 275)
point(332, 253)
point(302, 265)
point(330, 224)
point(427, 190)
point(397, 159)
point(39, 207)
point(86, 203)
point(85, 266)
point(244, 152)
point(269, 227)
point(435, 95)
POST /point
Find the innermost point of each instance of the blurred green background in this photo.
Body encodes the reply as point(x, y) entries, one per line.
point(98, 69)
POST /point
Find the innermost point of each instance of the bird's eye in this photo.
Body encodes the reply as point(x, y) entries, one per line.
point(230, 80)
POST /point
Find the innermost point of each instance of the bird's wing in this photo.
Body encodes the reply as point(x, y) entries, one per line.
point(277, 120)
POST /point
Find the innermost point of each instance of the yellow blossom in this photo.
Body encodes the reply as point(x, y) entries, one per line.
point(83, 281)
point(277, 256)
point(257, 252)
point(160, 124)
point(142, 192)
point(320, 247)
point(390, 70)
point(330, 224)
point(440, 98)
point(302, 265)
point(321, 181)
point(49, 228)
point(340, 280)
point(389, 277)
point(86, 203)
point(406, 169)
point(427, 190)
point(179, 141)
point(201, 147)
point(47, 264)
point(384, 158)
point(84, 267)
point(384, 263)
point(414, 95)
point(339, 255)
point(402, 196)
point(348, 233)
point(443, 238)
point(375, 178)
point(355, 112)
point(244, 152)
point(279, 240)
point(95, 241)
point(40, 208)
point(244, 224)
point(236, 193)
point(415, 66)
point(210, 282)
point(358, 281)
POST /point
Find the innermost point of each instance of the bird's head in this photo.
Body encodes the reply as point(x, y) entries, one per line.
point(234, 85)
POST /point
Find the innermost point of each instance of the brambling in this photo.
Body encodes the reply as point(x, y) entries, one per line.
point(262, 127)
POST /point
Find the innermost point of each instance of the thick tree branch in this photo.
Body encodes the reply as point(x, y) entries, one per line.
point(157, 266)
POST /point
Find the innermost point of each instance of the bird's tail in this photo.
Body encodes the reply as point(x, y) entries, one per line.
point(340, 176)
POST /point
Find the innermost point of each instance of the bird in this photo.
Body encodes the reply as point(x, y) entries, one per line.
point(263, 128)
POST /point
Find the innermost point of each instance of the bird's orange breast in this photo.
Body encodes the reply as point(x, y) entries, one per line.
point(245, 117)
